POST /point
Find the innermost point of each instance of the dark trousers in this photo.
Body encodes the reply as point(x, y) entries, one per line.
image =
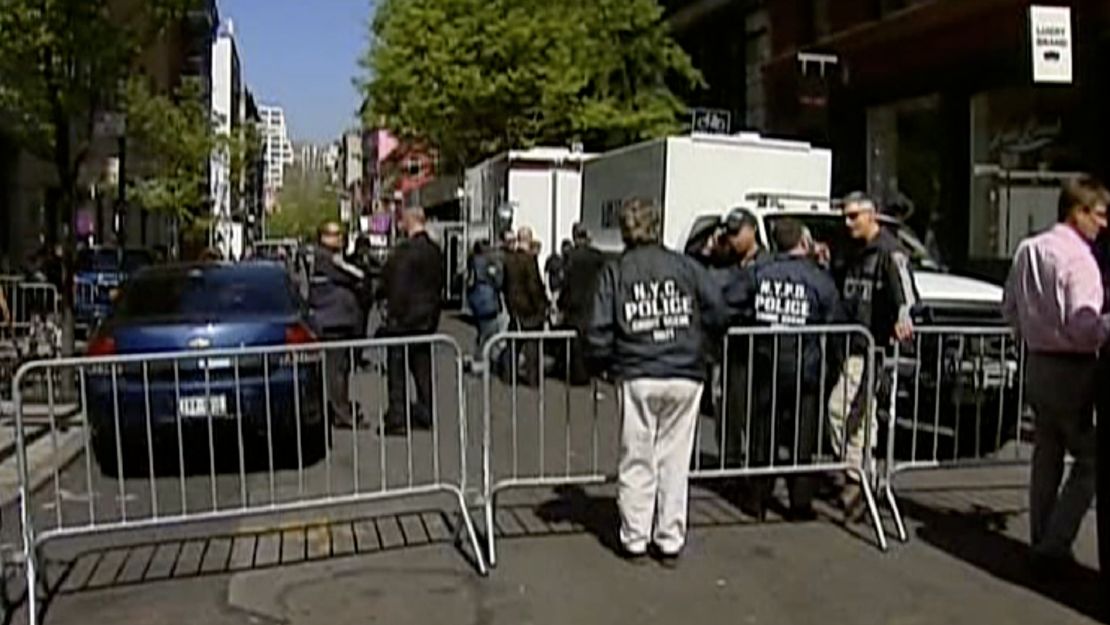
point(1102, 496)
point(419, 365)
point(338, 372)
point(528, 364)
point(785, 421)
point(733, 423)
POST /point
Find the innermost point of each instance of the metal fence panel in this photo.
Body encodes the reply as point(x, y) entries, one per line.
point(956, 400)
point(543, 431)
point(176, 439)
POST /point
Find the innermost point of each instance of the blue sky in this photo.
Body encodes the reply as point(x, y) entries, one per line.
point(302, 54)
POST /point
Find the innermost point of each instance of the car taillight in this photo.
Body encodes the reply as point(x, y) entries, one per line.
point(298, 334)
point(102, 346)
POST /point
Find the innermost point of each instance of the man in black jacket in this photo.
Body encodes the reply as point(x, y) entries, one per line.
point(412, 282)
point(337, 315)
point(879, 294)
point(582, 266)
point(527, 303)
point(651, 310)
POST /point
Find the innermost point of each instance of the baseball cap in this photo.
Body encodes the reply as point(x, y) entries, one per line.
point(736, 219)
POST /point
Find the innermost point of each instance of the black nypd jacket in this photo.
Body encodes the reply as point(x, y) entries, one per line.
point(651, 311)
point(795, 291)
point(877, 287)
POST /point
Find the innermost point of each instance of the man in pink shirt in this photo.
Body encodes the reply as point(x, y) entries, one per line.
point(1054, 301)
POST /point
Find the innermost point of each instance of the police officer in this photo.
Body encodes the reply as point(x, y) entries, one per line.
point(337, 314)
point(879, 294)
point(651, 311)
point(788, 290)
point(738, 243)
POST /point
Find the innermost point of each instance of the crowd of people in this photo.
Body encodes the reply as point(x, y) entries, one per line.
point(648, 320)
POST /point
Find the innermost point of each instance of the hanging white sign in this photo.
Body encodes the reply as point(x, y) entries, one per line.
point(1050, 28)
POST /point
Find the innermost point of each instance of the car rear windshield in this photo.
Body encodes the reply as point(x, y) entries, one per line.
point(207, 294)
point(107, 260)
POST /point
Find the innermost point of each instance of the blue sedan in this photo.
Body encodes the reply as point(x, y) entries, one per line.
point(217, 399)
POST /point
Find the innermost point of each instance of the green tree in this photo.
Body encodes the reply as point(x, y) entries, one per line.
point(306, 201)
point(61, 63)
point(476, 77)
point(170, 141)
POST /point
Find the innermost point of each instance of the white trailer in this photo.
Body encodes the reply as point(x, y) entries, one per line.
point(688, 176)
point(542, 186)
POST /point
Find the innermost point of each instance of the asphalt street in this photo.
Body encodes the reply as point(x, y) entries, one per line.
point(358, 554)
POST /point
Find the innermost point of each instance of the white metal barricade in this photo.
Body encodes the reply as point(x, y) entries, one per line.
point(178, 439)
point(774, 418)
point(956, 400)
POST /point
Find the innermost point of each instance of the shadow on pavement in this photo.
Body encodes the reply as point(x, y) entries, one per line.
point(976, 536)
point(577, 511)
point(186, 558)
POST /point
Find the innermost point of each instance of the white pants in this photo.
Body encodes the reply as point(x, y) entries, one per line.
point(657, 439)
point(847, 411)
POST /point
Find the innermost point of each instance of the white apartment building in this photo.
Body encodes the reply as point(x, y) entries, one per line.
point(227, 111)
point(279, 150)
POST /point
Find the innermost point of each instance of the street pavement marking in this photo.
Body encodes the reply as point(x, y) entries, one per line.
point(242, 552)
point(268, 550)
point(507, 524)
point(189, 559)
point(532, 524)
point(134, 569)
point(437, 527)
point(366, 536)
point(108, 568)
point(412, 530)
point(390, 532)
point(163, 560)
point(342, 539)
point(216, 556)
point(82, 570)
point(318, 539)
point(292, 546)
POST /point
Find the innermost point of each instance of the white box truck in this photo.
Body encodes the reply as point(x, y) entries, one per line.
point(540, 187)
point(691, 175)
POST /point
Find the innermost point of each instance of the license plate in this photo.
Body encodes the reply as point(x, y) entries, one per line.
point(215, 406)
point(215, 363)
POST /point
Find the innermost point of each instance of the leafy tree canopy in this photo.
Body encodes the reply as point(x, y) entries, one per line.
point(306, 201)
point(170, 141)
point(476, 77)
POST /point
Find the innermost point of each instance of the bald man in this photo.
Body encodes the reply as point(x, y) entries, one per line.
point(412, 281)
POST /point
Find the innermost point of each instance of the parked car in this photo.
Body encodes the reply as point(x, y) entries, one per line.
point(99, 271)
point(206, 308)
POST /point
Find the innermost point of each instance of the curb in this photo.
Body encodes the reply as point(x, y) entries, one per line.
point(71, 443)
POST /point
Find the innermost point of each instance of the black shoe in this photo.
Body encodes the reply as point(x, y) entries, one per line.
point(801, 514)
point(851, 500)
point(665, 559)
point(392, 428)
point(635, 558)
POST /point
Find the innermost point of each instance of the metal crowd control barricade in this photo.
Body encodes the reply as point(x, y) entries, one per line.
point(31, 301)
point(528, 444)
point(785, 408)
point(956, 400)
point(211, 435)
point(532, 440)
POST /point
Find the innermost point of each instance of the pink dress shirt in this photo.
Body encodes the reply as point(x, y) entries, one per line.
point(1054, 294)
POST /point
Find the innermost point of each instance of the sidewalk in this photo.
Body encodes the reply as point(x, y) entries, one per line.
point(965, 565)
